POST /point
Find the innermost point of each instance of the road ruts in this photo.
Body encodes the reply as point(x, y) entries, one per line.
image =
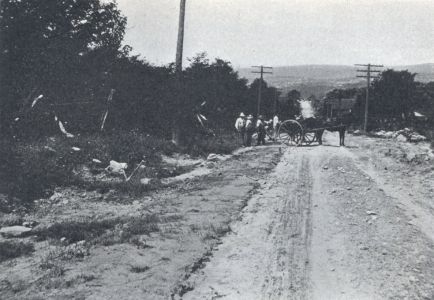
point(321, 227)
point(267, 254)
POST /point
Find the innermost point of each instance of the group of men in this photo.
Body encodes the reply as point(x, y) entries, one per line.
point(246, 127)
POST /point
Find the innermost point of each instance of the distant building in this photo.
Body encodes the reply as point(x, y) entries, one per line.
point(338, 107)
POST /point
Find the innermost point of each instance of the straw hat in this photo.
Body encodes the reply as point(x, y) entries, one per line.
point(242, 115)
point(250, 117)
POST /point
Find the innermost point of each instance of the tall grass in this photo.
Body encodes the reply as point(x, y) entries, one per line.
point(31, 170)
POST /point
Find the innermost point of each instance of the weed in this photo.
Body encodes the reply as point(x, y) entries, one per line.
point(9, 250)
point(11, 220)
point(140, 242)
point(75, 231)
point(139, 269)
point(215, 232)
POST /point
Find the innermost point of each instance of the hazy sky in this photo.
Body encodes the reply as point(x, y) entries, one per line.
point(285, 32)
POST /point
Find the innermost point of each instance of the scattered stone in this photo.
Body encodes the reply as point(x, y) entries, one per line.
point(14, 231)
point(48, 148)
point(145, 181)
point(371, 213)
point(364, 248)
point(76, 149)
point(214, 157)
point(325, 167)
point(116, 167)
point(401, 138)
point(97, 161)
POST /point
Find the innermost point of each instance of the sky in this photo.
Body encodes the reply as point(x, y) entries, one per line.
point(285, 32)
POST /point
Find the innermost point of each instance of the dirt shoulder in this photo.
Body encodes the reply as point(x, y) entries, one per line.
point(141, 249)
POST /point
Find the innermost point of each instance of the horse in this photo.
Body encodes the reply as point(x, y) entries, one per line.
point(333, 126)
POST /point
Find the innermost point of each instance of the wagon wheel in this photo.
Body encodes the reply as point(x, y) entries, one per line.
point(290, 133)
point(309, 137)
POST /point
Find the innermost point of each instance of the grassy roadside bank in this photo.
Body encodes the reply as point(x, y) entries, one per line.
point(32, 170)
point(85, 246)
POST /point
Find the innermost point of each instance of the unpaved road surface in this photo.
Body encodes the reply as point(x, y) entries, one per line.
point(328, 223)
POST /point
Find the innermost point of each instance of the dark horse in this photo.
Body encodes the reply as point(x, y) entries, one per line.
point(318, 126)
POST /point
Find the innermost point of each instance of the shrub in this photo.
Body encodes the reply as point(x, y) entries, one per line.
point(9, 250)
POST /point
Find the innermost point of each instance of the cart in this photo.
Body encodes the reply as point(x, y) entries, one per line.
point(308, 131)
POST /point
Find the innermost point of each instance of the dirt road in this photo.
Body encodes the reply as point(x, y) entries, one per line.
point(325, 225)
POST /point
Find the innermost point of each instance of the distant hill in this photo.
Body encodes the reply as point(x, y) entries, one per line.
point(318, 79)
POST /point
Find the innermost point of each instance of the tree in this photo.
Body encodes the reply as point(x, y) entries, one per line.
point(268, 98)
point(213, 89)
point(393, 94)
point(62, 50)
point(290, 107)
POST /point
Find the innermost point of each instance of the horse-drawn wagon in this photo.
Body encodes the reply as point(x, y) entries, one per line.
point(308, 131)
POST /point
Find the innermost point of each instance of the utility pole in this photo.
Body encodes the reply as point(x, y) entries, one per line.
point(180, 43)
point(176, 130)
point(367, 73)
point(262, 72)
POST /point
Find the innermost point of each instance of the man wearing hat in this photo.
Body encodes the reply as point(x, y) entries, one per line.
point(260, 127)
point(250, 129)
point(240, 126)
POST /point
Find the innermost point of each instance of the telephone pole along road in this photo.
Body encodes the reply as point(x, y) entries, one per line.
point(328, 223)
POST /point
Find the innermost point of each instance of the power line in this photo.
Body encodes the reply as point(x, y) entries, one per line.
point(367, 73)
point(262, 72)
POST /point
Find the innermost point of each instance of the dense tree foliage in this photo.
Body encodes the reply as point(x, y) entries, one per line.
point(393, 94)
point(290, 106)
point(62, 50)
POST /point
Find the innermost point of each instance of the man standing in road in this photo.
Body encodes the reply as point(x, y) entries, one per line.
point(260, 127)
point(240, 126)
point(250, 129)
point(275, 126)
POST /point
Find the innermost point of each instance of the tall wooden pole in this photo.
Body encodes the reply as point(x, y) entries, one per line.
point(368, 83)
point(260, 92)
point(262, 72)
point(180, 43)
point(368, 76)
point(176, 129)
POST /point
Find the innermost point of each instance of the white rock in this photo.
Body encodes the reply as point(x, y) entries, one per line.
point(212, 157)
point(117, 167)
point(97, 161)
point(14, 231)
point(401, 138)
point(145, 181)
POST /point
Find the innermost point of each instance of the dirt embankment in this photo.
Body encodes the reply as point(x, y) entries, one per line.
point(141, 249)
